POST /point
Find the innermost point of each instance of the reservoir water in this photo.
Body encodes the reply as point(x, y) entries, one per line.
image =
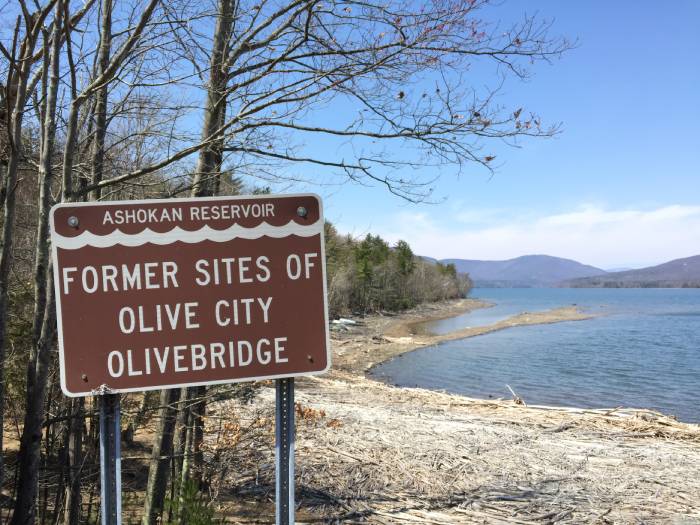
point(642, 351)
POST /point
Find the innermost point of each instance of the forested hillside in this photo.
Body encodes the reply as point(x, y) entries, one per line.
point(367, 275)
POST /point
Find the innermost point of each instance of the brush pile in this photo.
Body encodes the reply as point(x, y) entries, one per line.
point(371, 453)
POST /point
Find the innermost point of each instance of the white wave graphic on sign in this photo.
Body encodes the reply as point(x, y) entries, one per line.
point(177, 234)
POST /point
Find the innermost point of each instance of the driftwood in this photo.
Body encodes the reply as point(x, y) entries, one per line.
point(371, 453)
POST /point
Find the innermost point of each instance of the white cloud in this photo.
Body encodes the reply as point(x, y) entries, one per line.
point(591, 234)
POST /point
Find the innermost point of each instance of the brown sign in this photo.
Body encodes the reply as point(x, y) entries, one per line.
point(179, 292)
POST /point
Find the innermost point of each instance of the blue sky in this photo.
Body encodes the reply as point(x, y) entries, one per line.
point(618, 188)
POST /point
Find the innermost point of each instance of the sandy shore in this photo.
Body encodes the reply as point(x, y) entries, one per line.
point(372, 453)
point(392, 336)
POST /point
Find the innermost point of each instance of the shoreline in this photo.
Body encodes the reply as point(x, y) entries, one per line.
point(403, 334)
point(370, 452)
point(413, 326)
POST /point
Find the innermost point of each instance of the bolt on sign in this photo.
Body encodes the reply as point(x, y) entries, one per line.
point(180, 292)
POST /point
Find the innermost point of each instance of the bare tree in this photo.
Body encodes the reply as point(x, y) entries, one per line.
point(17, 89)
point(45, 317)
point(153, 99)
point(44, 304)
point(203, 183)
point(400, 65)
point(100, 120)
point(160, 457)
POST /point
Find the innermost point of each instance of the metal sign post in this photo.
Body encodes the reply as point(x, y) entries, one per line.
point(284, 451)
point(110, 460)
point(134, 277)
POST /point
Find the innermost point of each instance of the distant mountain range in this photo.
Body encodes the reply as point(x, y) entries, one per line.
point(547, 271)
point(678, 273)
point(523, 272)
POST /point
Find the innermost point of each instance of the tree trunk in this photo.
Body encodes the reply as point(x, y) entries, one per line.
point(160, 458)
point(44, 315)
point(208, 163)
point(62, 456)
point(179, 442)
point(201, 186)
point(73, 497)
point(14, 131)
point(6, 240)
point(186, 462)
point(92, 453)
point(100, 124)
point(198, 413)
point(29, 451)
